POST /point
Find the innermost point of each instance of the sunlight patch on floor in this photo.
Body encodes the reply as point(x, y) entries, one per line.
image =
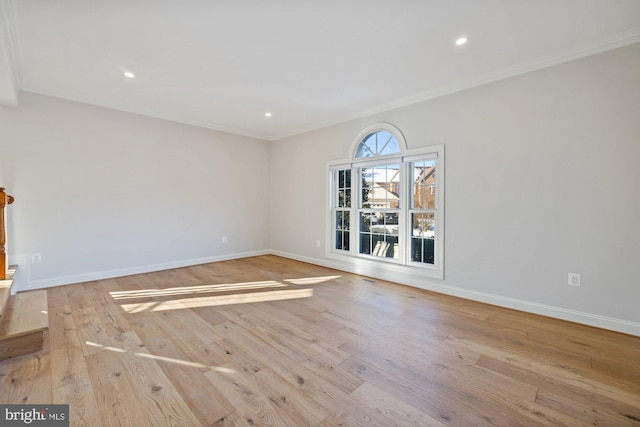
point(106, 347)
point(217, 300)
point(191, 290)
point(165, 359)
point(182, 297)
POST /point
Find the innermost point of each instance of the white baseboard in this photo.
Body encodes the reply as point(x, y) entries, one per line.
point(109, 274)
point(618, 325)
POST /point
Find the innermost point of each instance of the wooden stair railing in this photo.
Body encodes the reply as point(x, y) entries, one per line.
point(5, 200)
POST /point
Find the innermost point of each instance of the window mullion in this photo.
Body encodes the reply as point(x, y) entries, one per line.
point(353, 208)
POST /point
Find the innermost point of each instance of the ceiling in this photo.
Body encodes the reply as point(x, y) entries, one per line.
point(223, 64)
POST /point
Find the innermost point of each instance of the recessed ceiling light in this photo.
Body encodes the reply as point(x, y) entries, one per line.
point(129, 74)
point(267, 114)
point(461, 41)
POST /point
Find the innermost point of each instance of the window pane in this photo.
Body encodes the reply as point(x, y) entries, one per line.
point(342, 220)
point(342, 230)
point(342, 240)
point(424, 225)
point(416, 249)
point(424, 184)
point(422, 237)
point(344, 198)
point(387, 144)
point(343, 188)
point(366, 220)
point(367, 146)
point(366, 175)
point(379, 246)
point(391, 223)
point(365, 243)
point(379, 234)
point(341, 179)
point(393, 249)
point(381, 187)
point(428, 251)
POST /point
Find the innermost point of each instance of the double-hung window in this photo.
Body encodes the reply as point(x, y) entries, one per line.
point(422, 210)
point(379, 210)
point(342, 209)
point(387, 202)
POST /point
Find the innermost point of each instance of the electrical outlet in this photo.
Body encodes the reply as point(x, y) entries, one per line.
point(317, 243)
point(574, 279)
point(224, 239)
point(36, 258)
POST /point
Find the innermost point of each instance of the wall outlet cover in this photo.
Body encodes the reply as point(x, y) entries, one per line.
point(574, 279)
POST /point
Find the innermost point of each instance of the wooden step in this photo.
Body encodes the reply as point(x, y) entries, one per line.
point(23, 323)
point(5, 288)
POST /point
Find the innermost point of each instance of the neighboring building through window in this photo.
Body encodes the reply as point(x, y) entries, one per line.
point(397, 214)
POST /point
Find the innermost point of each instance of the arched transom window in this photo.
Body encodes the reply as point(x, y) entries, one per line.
point(377, 143)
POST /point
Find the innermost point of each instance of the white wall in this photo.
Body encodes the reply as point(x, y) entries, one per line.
point(542, 179)
point(102, 193)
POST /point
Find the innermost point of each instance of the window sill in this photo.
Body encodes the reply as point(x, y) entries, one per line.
point(376, 267)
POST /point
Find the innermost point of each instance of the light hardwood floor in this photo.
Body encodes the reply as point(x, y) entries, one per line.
point(270, 341)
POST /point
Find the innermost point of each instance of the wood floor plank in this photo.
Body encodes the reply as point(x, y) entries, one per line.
point(26, 379)
point(116, 395)
point(61, 326)
point(393, 407)
point(234, 419)
point(83, 408)
point(247, 399)
point(285, 396)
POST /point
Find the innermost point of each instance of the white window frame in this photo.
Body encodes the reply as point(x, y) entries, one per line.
point(436, 211)
point(404, 159)
point(335, 208)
